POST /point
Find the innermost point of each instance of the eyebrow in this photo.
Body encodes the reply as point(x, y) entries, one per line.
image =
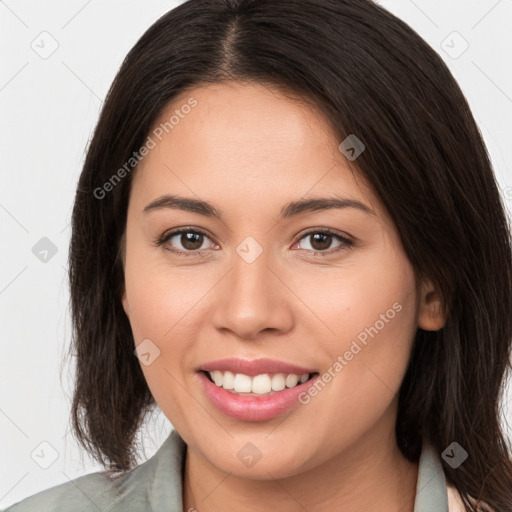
point(291, 209)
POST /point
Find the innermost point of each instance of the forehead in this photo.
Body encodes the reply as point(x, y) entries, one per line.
point(247, 141)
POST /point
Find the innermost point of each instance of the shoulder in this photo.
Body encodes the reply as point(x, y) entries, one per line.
point(455, 503)
point(92, 492)
point(454, 500)
point(88, 492)
point(145, 488)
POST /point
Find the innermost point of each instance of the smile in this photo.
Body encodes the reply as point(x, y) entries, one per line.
point(258, 385)
point(257, 390)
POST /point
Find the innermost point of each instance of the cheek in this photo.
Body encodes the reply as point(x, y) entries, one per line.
point(161, 311)
point(376, 355)
point(369, 313)
point(364, 365)
point(368, 298)
point(157, 294)
point(166, 305)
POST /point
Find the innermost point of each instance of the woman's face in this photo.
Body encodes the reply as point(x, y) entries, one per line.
point(260, 280)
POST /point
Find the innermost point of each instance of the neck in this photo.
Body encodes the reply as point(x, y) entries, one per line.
point(373, 475)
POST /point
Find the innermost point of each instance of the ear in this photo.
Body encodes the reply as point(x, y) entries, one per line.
point(122, 256)
point(430, 314)
point(124, 300)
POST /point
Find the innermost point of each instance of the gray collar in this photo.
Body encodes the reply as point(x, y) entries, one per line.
point(431, 494)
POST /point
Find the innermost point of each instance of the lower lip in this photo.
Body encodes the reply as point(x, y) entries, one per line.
point(251, 407)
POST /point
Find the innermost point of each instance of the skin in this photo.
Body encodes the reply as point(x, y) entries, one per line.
point(249, 150)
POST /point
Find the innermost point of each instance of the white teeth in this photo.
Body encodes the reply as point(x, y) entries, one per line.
point(242, 383)
point(291, 380)
point(259, 385)
point(217, 377)
point(228, 380)
point(278, 382)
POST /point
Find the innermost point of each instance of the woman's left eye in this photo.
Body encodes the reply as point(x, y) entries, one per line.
point(192, 241)
point(320, 240)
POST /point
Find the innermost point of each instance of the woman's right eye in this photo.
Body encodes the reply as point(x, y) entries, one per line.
point(191, 241)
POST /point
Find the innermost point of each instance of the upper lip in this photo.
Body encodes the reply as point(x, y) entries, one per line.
point(254, 367)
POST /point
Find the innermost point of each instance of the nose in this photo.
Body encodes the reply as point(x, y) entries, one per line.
point(253, 298)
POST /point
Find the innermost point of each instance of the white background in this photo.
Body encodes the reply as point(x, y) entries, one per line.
point(49, 109)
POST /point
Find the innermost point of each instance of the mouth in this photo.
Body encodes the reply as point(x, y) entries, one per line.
point(264, 384)
point(257, 389)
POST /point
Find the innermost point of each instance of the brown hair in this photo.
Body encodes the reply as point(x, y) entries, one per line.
point(371, 75)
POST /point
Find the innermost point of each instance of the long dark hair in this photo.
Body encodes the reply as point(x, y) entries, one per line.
point(373, 76)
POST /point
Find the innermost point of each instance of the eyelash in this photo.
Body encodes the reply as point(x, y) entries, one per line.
point(346, 243)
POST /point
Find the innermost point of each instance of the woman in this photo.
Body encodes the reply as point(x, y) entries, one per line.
point(288, 212)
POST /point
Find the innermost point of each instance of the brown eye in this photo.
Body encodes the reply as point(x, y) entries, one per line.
point(320, 241)
point(185, 242)
point(191, 241)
